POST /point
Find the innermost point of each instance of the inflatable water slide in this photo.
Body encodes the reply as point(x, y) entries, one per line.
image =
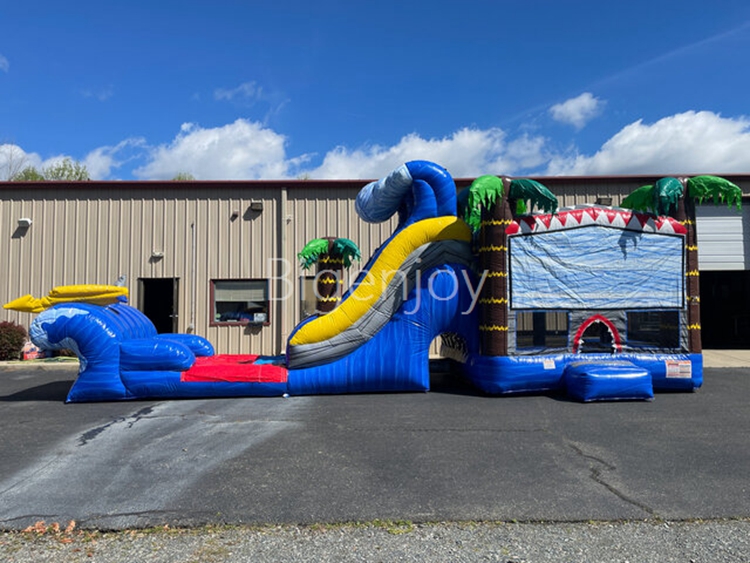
point(417, 285)
point(598, 301)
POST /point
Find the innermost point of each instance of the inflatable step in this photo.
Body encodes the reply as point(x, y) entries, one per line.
point(615, 380)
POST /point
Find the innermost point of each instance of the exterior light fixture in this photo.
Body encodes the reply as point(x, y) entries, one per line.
point(256, 206)
point(24, 222)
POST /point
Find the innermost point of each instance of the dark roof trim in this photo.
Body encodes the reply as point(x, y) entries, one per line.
point(318, 184)
point(182, 185)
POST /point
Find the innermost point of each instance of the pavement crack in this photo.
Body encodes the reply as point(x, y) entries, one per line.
point(598, 468)
point(90, 435)
point(26, 478)
point(584, 455)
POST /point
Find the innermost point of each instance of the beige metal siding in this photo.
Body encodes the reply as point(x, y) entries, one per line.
point(84, 236)
point(572, 192)
point(229, 248)
point(322, 212)
point(94, 232)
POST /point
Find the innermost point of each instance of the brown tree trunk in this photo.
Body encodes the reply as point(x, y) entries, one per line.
point(686, 216)
point(493, 299)
point(330, 278)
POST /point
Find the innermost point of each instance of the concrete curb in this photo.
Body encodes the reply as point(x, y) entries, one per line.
point(726, 358)
point(44, 365)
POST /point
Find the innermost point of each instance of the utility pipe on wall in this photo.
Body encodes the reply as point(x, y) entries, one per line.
point(194, 285)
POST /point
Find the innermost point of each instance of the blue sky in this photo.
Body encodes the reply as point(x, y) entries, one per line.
point(352, 89)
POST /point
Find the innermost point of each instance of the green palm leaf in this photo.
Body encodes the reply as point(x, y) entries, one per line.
point(483, 194)
point(641, 199)
point(667, 192)
point(538, 194)
point(347, 250)
point(312, 252)
point(716, 188)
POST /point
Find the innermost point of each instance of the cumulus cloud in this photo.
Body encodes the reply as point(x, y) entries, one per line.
point(239, 150)
point(577, 111)
point(100, 163)
point(465, 153)
point(686, 143)
point(103, 162)
point(4, 64)
point(13, 159)
point(249, 150)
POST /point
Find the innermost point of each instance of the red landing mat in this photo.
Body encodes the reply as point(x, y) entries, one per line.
point(234, 368)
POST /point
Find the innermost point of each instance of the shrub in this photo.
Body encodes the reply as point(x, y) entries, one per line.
point(12, 339)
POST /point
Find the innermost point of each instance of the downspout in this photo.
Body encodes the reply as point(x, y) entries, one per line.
point(194, 285)
point(281, 311)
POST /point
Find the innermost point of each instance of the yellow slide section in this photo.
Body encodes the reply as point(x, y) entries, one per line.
point(97, 294)
point(380, 275)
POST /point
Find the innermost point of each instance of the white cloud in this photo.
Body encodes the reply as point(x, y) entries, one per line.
point(245, 90)
point(252, 95)
point(4, 64)
point(577, 111)
point(686, 143)
point(248, 150)
point(466, 153)
point(102, 94)
point(13, 159)
point(101, 162)
point(239, 150)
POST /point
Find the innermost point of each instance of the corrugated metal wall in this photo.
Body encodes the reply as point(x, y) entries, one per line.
point(80, 234)
point(94, 232)
point(578, 191)
point(329, 213)
point(723, 238)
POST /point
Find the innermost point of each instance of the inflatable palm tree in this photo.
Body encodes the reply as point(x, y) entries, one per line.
point(491, 205)
point(668, 197)
point(331, 255)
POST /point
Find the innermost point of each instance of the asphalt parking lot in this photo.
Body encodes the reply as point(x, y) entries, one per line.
point(448, 455)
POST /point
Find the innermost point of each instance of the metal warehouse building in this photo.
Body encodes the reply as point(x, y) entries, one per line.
point(190, 251)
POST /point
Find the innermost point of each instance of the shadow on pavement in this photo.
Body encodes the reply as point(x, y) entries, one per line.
point(55, 391)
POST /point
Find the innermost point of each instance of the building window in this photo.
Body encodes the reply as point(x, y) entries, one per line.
point(654, 329)
point(542, 329)
point(240, 301)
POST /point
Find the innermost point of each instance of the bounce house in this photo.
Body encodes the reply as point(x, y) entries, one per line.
point(597, 301)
